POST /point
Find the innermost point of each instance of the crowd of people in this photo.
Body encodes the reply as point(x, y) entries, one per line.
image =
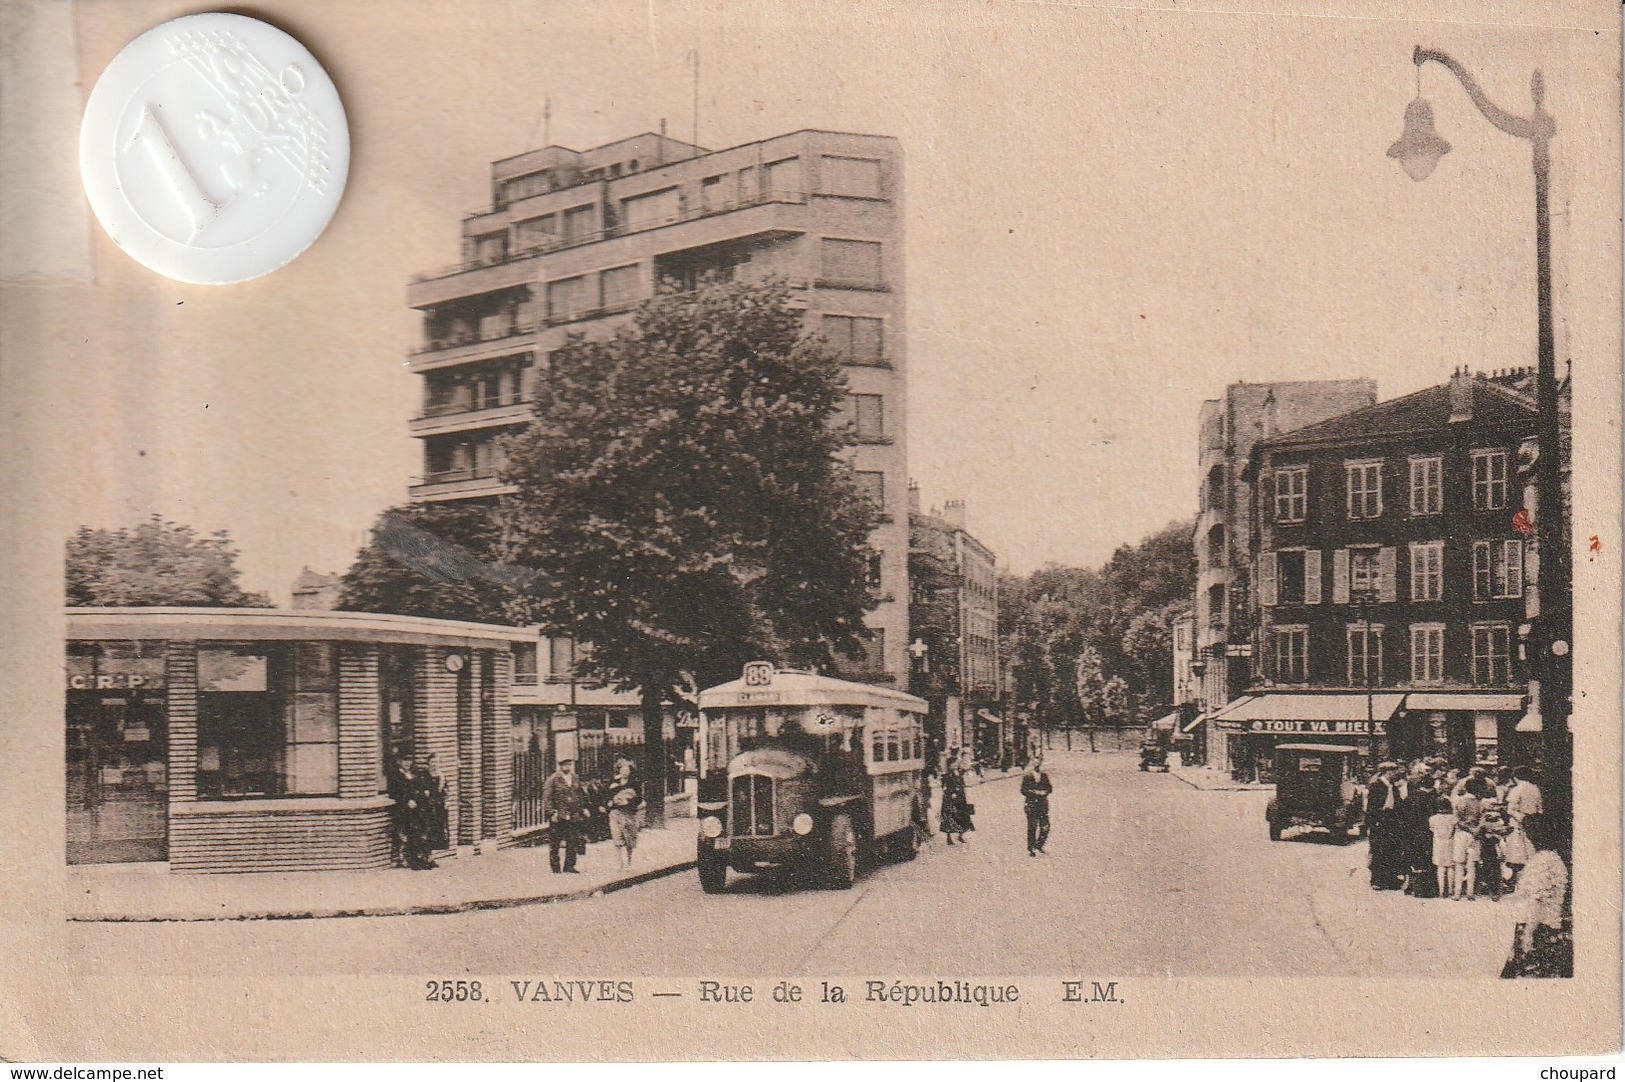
point(1438, 832)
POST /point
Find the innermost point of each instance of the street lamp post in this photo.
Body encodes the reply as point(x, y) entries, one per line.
point(1418, 150)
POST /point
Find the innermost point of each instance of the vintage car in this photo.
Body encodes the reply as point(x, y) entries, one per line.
point(1317, 785)
point(1154, 748)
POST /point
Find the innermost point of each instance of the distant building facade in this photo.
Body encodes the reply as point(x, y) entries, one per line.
point(954, 608)
point(1389, 581)
point(574, 240)
point(1229, 427)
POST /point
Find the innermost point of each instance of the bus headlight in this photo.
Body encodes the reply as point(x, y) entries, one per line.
point(711, 826)
point(802, 824)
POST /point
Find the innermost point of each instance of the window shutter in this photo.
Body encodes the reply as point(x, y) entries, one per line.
point(1340, 576)
point(1311, 577)
point(1266, 578)
point(1387, 573)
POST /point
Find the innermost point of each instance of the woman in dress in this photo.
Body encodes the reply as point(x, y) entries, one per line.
point(956, 816)
point(1541, 946)
point(625, 806)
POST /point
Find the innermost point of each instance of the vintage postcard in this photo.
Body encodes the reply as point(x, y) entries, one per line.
point(826, 530)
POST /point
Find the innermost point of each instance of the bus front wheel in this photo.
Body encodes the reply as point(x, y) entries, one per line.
point(843, 853)
point(713, 871)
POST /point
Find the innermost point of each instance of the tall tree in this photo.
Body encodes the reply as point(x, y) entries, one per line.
point(683, 496)
point(155, 563)
point(1091, 686)
point(437, 560)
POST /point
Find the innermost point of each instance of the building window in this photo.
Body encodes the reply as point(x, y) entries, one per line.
point(267, 720)
point(620, 286)
point(1497, 570)
point(851, 264)
point(1365, 574)
point(647, 211)
point(566, 299)
point(526, 186)
point(536, 233)
point(1215, 489)
point(577, 225)
point(1291, 495)
point(782, 179)
point(874, 652)
point(1365, 655)
point(1492, 662)
point(1215, 545)
point(867, 415)
point(491, 249)
point(1215, 605)
point(711, 197)
point(1291, 655)
point(1427, 571)
point(1427, 486)
point(1364, 489)
point(749, 190)
point(872, 486)
point(855, 339)
point(1427, 653)
point(1489, 480)
point(873, 576)
point(856, 177)
point(1289, 577)
point(561, 659)
point(524, 663)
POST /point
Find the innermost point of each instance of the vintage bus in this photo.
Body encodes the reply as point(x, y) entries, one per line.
point(807, 772)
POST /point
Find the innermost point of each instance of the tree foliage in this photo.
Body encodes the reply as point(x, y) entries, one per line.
point(155, 563)
point(1118, 619)
point(438, 560)
point(683, 497)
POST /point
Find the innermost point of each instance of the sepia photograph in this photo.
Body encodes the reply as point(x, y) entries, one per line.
point(810, 531)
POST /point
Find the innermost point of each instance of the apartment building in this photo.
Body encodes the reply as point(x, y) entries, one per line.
point(574, 240)
point(1390, 578)
point(1229, 428)
point(954, 609)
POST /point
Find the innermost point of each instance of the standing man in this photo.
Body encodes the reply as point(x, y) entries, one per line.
point(1035, 791)
point(1382, 806)
point(563, 806)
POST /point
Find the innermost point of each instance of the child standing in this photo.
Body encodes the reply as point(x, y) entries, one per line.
point(1467, 850)
point(1443, 825)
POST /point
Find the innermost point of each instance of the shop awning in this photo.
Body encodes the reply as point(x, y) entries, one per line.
point(1190, 726)
point(990, 717)
point(1293, 714)
point(1489, 702)
point(1166, 723)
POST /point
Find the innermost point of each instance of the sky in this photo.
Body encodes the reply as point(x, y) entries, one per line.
point(1110, 214)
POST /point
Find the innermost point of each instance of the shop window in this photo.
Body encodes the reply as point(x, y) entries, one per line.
point(267, 720)
point(396, 696)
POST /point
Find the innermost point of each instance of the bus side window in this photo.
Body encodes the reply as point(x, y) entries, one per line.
point(893, 739)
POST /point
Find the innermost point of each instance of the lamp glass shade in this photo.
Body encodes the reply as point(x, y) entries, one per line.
point(1419, 149)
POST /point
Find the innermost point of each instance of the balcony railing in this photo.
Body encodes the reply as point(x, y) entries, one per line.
point(472, 473)
point(452, 409)
point(593, 236)
point(513, 330)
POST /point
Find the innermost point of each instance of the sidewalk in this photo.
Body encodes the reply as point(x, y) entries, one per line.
point(1199, 777)
point(511, 877)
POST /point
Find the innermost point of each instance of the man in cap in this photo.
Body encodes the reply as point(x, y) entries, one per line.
point(564, 807)
point(1384, 802)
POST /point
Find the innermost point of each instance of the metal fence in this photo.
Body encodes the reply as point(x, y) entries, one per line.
point(596, 753)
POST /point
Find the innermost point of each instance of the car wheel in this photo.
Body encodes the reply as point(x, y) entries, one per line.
point(843, 853)
point(713, 871)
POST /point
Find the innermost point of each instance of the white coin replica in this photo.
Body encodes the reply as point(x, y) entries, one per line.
point(214, 149)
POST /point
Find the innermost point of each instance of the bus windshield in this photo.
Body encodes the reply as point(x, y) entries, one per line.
point(816, 731)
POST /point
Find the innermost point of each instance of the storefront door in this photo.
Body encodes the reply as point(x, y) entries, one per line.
point(118, 778)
